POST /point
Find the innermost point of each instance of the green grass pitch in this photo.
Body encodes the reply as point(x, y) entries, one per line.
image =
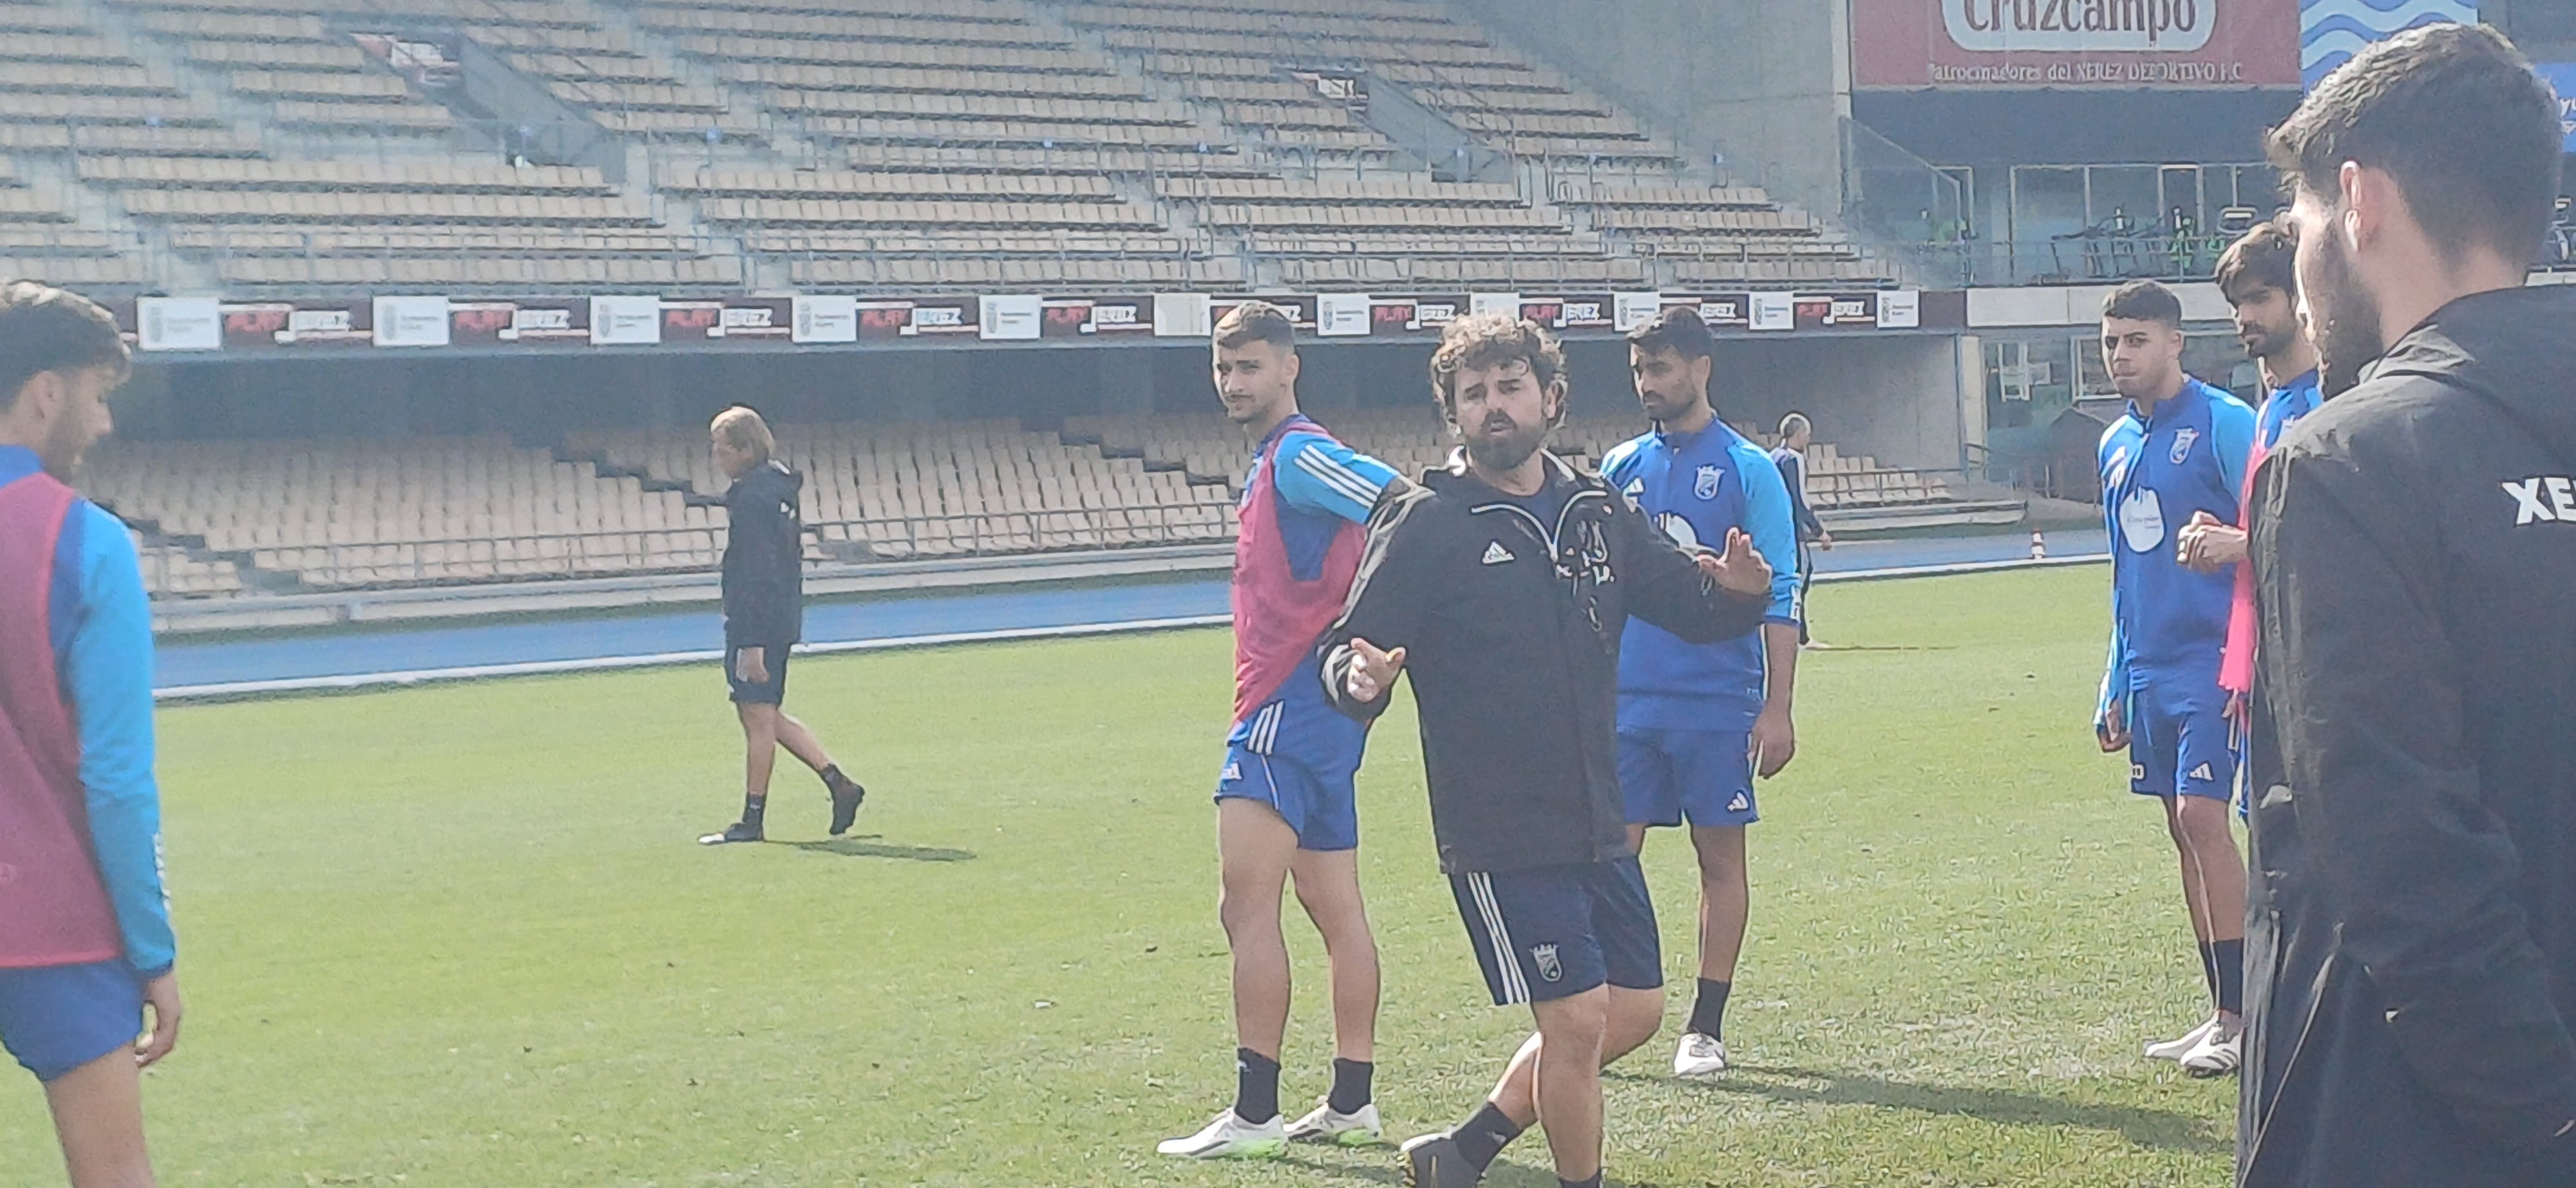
point(462, 935)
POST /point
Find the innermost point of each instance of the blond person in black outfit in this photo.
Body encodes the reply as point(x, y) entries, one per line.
point(764, 613)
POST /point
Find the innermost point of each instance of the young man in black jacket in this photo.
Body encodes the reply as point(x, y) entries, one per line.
point(2412, 941)
point(764, 613)
point(1503, 584)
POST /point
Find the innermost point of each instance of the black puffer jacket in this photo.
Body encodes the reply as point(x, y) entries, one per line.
point(1511, 629)
point(2411, 974)
point(764, 559)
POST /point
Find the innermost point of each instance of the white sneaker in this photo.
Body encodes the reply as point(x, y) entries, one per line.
point(2184, 1044)
point(1699, 1056)
point(1230, 1137)
point(2219, 1052)
point(1359, 1128)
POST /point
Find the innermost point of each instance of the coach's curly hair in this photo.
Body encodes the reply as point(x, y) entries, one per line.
point(1491, 340)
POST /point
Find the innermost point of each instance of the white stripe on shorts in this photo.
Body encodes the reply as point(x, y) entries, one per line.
point(1507, 960)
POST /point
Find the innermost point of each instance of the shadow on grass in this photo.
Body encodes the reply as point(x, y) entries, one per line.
point(1380, 1171)
point(2160, 1129)
point(871, 847)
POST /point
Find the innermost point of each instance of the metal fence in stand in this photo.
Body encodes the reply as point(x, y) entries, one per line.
point(1031, 531)
point(609, 553)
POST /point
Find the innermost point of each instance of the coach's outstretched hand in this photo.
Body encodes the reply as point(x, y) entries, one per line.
point(1739, 570)
point(1373, 671)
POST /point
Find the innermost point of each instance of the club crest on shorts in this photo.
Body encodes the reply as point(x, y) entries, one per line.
point(2182, 442)
point(1549, 968)
point(1704, 484)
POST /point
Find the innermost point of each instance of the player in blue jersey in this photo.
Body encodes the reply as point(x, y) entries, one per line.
point(2179, 452)
point(1285, 799)
point(1697, 722)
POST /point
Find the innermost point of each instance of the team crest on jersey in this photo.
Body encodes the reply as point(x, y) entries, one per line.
point(1704, 484)
point(1549, 968)
point(2182, 443)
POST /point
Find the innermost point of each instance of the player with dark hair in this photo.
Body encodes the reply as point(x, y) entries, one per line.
point(2414, 821)
point(2257, 276)
point(2178, 453)
point(85, 940)
point(764, 613)
point(1286, 806)
point(1504, 584)
point(1697, 722)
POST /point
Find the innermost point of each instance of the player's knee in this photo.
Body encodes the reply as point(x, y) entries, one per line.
point(1578, 1021)
point(1635, 1017)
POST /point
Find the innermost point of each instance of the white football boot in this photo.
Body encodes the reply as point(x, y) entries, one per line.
point(1699, 1056)
point(2184, 1044)
point(1230, 1137)
point(1358, 1128)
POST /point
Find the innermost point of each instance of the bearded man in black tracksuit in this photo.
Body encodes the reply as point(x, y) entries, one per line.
point(1502, 584)
point(2412, 932)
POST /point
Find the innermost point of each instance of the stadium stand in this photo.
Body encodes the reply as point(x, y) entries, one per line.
point(953, 488)
point(275, 146)
point(344, 514)
point(217, 518)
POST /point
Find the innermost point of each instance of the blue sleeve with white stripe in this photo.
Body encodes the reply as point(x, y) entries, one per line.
point(1317, 474)
point(108, 672)
point(1773, 526)
point(2115, 667)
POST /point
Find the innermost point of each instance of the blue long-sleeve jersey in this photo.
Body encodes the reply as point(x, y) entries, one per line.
point(2168, 623)
point(101, 628)
point(1694, 487)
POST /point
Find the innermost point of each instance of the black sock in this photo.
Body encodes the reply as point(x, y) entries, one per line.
point(1708, 1012)
point(1350, 1085)
point(751, 808)
point(2229, 958)
point(1594, 1182)
point(1256, 1086)
point(2209, 968)
point(1483, 1136)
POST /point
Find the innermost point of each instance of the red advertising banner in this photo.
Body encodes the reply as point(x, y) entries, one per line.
point(733, 319)
point(2006, 44)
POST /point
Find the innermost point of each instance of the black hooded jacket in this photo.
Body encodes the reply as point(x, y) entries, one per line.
point(764, 559)
point(2411, 976)
point(1511, 629)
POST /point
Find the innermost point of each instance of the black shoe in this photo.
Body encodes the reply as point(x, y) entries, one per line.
point(847, 796)
point(1433, 1161)
point(739, 831)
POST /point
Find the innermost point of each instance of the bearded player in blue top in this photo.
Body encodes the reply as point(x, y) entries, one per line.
point(1698, 721)
point(2179, 452)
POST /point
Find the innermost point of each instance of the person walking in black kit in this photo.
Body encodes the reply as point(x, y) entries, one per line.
point(764, 613)
point(1503, 584)
point(2412, 935)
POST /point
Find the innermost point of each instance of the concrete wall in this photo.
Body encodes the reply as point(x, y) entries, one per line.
point(1895, 399)
point(1764, 82)
point(1898, 399)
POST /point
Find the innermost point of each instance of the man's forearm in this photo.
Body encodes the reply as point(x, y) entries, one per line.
point(1779, 666)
